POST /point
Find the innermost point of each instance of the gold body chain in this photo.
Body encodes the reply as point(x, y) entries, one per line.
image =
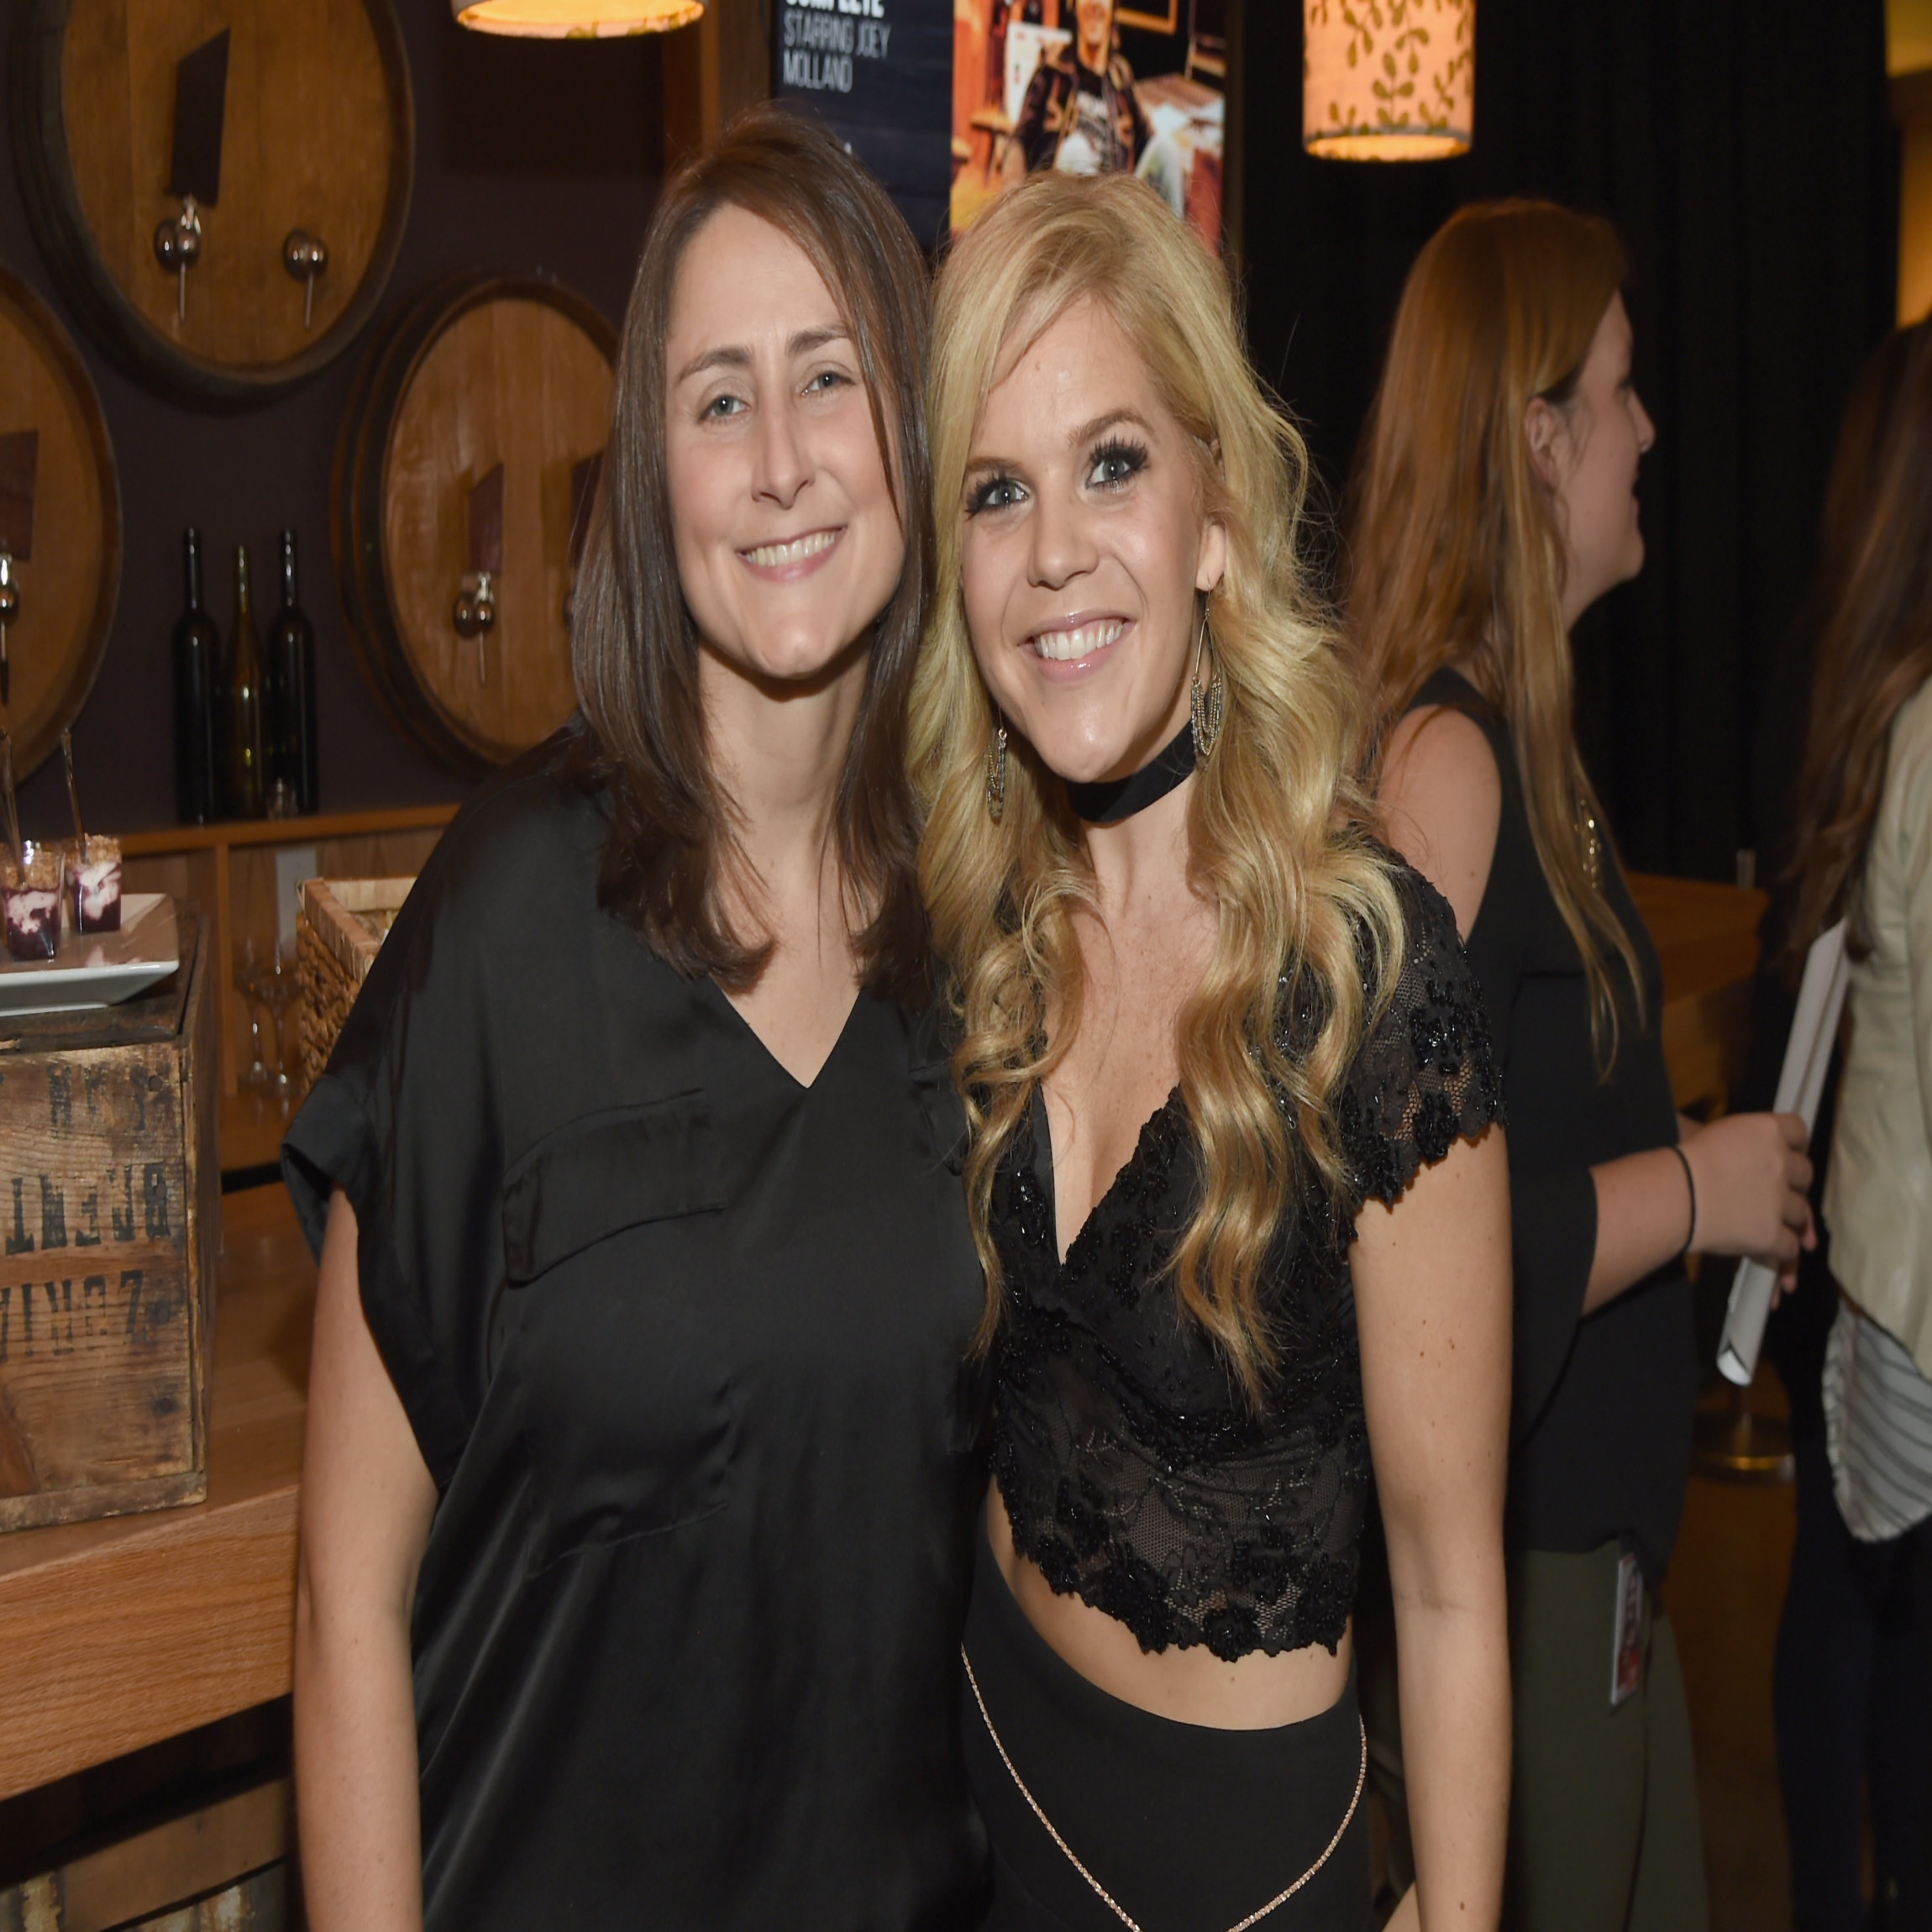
point(1100, 1890)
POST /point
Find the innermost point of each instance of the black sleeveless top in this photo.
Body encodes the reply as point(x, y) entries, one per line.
point(1603, 1403)
point(1135, 1473)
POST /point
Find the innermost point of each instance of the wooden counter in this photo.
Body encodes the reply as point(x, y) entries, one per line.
point(1706, 937)
point(117, 1634)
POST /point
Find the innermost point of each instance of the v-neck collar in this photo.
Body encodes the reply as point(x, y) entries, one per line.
point(757, 1040)
point(1088, 1232)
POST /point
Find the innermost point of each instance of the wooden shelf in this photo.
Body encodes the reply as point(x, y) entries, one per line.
point(230, 869)
point(250, 1127)
point(119, 1633)
point(310, 831)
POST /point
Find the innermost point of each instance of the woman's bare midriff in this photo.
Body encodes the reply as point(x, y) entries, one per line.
point(1194, 1686)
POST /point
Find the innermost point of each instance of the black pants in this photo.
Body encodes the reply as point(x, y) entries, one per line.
point(1189, 1828)
point(1854, 1712)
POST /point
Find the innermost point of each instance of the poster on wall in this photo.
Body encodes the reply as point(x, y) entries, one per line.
point(1091, 87)
point(879, 74)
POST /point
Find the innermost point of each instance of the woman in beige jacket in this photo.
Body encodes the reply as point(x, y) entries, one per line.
point(1864, 849)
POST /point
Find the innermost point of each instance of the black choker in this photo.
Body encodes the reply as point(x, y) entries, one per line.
point(1117, 798)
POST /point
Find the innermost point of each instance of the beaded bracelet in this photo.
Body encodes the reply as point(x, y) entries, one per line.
point(1683, 1161)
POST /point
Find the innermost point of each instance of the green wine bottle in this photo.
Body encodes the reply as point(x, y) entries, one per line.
point(242, 739)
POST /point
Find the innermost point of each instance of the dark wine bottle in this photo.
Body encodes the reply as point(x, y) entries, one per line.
point(197, 657)
point(242, 740)
point(289, 694)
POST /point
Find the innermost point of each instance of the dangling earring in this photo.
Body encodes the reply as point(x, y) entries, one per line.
point(1205, 702)
point(997, 771)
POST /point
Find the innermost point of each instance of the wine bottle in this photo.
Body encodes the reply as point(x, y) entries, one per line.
point(242, 740)
point(198, 656)
point(289, 691)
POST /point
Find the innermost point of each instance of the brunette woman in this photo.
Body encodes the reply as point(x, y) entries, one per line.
point(1231, 1171)
point(633, 1550)
point(1494, 502)
point(1863, 850)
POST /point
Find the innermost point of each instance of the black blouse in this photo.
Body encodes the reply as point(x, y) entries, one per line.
point(1135, 1473)
point(681, 1341)
point(1602, 1414)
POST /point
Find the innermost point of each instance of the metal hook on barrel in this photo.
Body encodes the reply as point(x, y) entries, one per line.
point(475, 616)
point(178, 248)
point(475, 612)
point(19, 464)
point(306, 257)
point(9, 614)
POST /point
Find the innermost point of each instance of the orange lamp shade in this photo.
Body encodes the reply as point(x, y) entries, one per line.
point(1388, 80)
point(576, 19)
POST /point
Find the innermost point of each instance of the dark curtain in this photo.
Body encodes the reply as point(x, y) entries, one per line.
point(1747, 156)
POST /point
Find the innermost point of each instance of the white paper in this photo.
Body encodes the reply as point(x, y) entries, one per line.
point(1807, 1055)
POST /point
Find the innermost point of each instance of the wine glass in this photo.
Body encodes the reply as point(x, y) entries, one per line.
point(276, 986)
point(250, 954)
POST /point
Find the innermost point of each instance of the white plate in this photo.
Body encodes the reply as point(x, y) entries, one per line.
point(97, 968)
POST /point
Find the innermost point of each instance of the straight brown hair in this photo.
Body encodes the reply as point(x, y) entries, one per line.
point(1874, 604)
point(634, 648)
point(1454, 554)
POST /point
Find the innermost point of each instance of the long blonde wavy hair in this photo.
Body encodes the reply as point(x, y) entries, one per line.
point(1276, 821)
point(1455, 552)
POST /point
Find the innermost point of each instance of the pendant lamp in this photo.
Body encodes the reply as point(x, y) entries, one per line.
point(1388, 80)
point(575, 19)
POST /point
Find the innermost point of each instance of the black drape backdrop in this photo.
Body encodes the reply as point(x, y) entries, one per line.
point(1746, 154)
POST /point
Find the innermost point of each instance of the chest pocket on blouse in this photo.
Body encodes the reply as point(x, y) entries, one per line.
point(618, 1344)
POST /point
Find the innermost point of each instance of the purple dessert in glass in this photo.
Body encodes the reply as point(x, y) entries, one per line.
point(31, 895)
point(94, 885)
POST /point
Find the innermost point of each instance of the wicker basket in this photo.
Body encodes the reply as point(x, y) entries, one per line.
point(344, 922)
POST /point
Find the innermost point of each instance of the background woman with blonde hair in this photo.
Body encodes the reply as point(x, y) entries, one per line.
point(1229, 1168)
point(1493, 503)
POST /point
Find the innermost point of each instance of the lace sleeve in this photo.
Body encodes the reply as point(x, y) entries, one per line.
point(1425, 1076)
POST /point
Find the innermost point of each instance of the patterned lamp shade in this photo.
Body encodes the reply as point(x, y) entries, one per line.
point(575, 19)
point(1388, 80)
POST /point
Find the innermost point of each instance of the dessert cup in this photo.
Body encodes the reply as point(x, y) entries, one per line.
point(94, 885)
point(30, 890)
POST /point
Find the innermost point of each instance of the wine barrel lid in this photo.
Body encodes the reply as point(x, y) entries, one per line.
point(64, 513)
point(468, 421)
point(298, 120)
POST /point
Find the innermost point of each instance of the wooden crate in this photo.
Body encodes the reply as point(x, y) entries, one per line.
point(110, 1239)
point(344, 924)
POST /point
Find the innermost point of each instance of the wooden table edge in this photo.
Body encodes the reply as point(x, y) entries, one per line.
point(120, 1633)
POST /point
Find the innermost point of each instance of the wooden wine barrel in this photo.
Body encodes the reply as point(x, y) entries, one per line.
point(69, 582)
point(317, 134)
point(482, 370)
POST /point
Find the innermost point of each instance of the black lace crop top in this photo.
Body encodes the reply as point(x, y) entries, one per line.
point(1135, 1473)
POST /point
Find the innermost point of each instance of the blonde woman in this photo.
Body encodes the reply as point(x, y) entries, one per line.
point(1231, 1168)
point(1494, 501)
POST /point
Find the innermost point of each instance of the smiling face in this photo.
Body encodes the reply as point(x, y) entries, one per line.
point(1096, 22)
point(1082, 549)
point(1588, 456)
point(787, 544)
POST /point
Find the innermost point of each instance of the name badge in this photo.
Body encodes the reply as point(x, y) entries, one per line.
point(1627, 1648)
